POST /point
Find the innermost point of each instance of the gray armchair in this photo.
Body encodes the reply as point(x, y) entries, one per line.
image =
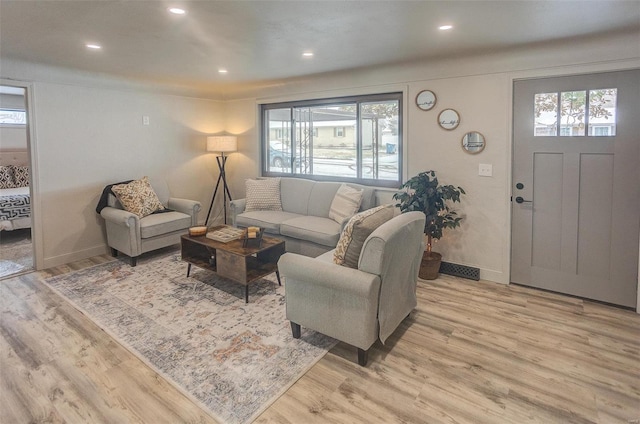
point(358, 306)
point(133, 236)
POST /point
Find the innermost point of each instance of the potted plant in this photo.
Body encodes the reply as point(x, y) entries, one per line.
point(423, 193)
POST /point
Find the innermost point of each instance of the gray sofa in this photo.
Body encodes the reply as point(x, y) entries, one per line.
point(304, 222)
point(358, 306)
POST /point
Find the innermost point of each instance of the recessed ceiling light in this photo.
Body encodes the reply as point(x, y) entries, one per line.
point(307, 54)
point(445, 27)
point(177, 11)
point(94, 46)
point(222, 71)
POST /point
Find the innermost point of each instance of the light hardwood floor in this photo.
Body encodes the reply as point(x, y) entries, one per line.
point(472, 352)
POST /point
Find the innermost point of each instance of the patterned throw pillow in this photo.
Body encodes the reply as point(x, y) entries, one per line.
point(138, 197)
point(354, 234)
point(345, 203)
point(21, 176)
point(263, 195)
point(6, 177)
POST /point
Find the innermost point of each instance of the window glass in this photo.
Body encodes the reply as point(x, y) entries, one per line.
point(599, 117)
point(277, 129)
point(573, 113)
point(546, 114)
point(355, 138)
point(13, 117)
point(602, 112)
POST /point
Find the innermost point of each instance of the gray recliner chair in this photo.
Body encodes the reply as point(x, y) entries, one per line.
point(358, 306)
point(133, 236)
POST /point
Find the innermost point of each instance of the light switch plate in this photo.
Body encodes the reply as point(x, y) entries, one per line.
point(145, 120)
point(485, 170)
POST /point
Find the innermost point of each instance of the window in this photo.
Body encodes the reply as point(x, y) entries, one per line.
point(342, 139)
point(599, 118)
point(13, 117)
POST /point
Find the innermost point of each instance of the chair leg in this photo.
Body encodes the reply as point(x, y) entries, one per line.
point(295, 330)
point(363, 357)
point(114, 252)
point(134, 261)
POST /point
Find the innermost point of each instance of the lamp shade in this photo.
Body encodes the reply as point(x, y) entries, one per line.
point(222, 143)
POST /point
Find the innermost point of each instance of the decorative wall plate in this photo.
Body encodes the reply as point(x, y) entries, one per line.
point(426, 100)
point(449, 119)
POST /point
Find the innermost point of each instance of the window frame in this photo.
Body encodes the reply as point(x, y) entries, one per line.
point(334, 101)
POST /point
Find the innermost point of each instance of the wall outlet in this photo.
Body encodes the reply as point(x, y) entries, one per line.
point(485, 170)
point(145, 120)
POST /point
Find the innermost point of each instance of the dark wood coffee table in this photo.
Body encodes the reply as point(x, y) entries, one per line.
point(230, 260)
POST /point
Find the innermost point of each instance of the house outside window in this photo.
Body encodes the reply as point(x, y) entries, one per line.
point(356, 139)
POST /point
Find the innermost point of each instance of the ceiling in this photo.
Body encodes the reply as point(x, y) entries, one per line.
point(259, 42)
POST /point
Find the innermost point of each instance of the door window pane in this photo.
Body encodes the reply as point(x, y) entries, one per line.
point(602, 112)
point(546, 114)
point(573, 113)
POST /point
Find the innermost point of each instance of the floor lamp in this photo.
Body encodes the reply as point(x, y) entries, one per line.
point(221, 144)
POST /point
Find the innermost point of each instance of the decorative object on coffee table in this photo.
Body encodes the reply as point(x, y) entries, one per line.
point(252, 237)
point(423, 193)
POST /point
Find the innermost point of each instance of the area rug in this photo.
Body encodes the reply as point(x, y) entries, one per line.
point(233, 358)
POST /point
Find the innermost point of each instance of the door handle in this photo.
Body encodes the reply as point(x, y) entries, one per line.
point(521, 200)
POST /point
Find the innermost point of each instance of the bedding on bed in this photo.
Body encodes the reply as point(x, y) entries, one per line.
point(14, 203)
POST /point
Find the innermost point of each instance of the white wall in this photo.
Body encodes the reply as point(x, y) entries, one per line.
point(88, 137)
point(479, 88)
point(89, 133)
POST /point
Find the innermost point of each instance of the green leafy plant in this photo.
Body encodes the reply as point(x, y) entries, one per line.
point(423, 193)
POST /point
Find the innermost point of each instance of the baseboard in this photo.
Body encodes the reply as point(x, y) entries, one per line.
point(54, 261)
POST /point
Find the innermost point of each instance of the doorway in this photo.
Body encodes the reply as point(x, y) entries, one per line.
point(16, 247)
point(576, 185)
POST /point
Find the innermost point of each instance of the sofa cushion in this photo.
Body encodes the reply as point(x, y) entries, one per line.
point(295, 194)
point(163, 223)
point(269, 220)
point(138, 197)
point(317, 229)
point(345, 204)
point(263, 195)
point(359, 227)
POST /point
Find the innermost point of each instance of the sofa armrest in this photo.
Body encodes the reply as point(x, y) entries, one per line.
point(236, 207)
point(329, 275)
point(119, 216)
point(190, 207)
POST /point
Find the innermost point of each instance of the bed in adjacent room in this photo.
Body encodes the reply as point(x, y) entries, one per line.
point(15, 199)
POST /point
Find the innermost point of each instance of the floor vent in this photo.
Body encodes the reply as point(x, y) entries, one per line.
point(460, 270)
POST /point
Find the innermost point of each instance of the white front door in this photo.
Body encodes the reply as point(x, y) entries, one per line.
point(576, 185)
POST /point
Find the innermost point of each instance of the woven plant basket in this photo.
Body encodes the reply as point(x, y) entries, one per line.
point(430, 266)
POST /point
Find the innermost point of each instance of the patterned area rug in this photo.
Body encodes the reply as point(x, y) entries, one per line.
point(233, 358)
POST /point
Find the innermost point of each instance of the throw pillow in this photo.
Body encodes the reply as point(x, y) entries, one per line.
point(354, 234)
point(345, 203)
point(6, 177)
point(21, 176)
point(138, 197)
point(263, 195)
